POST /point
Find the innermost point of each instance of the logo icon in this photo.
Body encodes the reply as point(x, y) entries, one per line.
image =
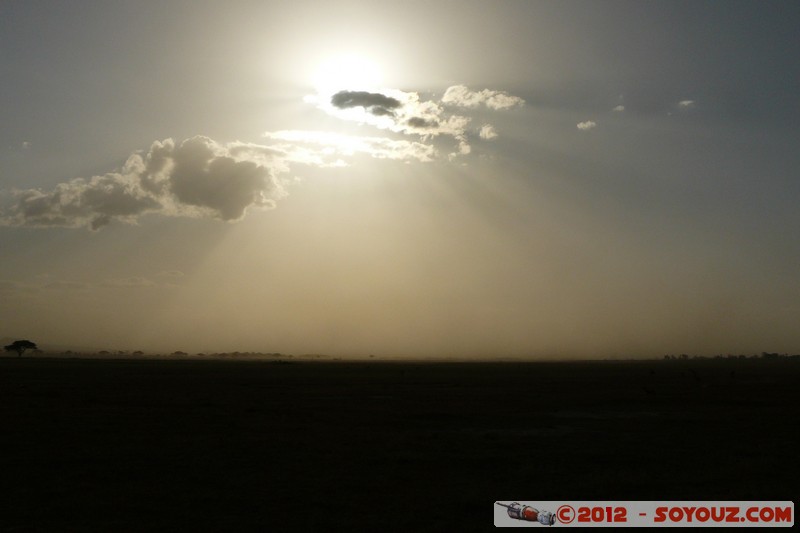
point(528, 513)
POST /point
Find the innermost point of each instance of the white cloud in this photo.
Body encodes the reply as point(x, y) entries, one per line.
point(197, 177)
point(462, 96)
point(26, 145)
point(498, 100)
point(487, 132)
point(588, 125)
point(686, 104)
point(619, 108)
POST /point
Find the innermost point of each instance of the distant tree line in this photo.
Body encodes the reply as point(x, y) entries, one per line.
point(21, 346)
point(762, 355)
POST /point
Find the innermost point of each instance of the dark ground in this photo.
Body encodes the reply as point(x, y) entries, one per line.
point(155, 445)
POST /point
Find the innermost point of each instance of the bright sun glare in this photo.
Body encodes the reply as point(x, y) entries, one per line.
point(346, 72)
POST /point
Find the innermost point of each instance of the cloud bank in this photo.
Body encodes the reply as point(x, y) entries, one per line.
point(200, 177)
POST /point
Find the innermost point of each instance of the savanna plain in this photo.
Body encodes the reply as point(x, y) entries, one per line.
point(226, 445)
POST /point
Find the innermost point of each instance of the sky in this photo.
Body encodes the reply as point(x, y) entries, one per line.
point(571, 179)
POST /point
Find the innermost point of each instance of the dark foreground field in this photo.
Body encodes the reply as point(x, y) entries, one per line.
point(149, 445)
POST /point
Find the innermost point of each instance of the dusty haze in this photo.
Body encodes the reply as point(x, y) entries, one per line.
point(571, 179)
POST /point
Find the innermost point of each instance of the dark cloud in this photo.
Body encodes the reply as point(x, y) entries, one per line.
point(422, 124)
point(376, 103)
point(99, 221)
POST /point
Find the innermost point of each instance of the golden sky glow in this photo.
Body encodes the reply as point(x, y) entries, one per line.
point(539, 179)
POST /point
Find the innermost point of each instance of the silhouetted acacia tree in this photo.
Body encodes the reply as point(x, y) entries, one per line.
point(20, 347)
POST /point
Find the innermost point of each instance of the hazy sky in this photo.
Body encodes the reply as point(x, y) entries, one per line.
point(542, 178)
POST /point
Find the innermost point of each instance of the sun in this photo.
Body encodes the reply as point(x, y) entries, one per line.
point(351, 72)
